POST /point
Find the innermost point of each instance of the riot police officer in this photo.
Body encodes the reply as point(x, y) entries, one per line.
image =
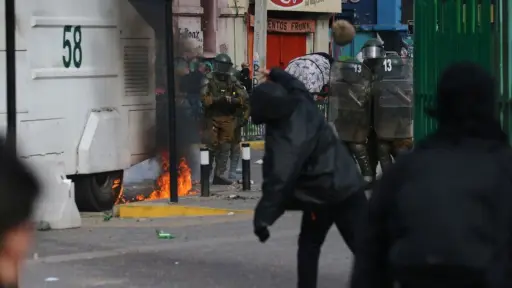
point(373, 96)
point(392, 93)
point(349, 110)
point(222, 97)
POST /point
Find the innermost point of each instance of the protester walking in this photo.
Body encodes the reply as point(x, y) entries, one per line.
point(442, 215)
point(306, 168)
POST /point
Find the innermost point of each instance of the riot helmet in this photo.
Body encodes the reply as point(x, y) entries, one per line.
point(222, 64)
point(372, 53)
point(373, 49)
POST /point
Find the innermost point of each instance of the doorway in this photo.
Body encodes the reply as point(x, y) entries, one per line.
point(284, 47)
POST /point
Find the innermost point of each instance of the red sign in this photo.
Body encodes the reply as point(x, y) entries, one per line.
point(287, 3)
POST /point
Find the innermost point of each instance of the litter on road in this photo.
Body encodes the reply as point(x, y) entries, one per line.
point(164, 235)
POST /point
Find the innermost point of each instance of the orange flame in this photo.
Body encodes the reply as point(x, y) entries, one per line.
point(163, 185)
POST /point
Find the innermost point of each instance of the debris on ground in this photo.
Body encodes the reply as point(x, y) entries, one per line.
point(244, 196)
point(259, 162)
point(51, 279)
point(107, 215)
point(164, 235)
point(231, 213)
point(43, 226)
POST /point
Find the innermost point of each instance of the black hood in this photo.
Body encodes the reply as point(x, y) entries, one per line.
point(465, 107)
point(270, 102)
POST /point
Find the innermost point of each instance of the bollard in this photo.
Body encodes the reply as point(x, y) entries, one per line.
point(246, 166)
point(205, 172)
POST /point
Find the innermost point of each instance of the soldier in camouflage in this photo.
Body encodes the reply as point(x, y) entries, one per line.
point(242, 117)
point(222, 97)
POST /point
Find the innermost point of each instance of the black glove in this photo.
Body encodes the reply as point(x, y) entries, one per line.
point(262, 233)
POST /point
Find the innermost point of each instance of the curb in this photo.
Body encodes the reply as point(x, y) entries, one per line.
point(257, 145)
point(170, 210)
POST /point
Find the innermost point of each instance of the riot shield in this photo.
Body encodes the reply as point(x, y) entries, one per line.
point(393, 99)
point(348, 101)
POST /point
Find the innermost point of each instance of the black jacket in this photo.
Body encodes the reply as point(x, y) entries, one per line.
point(304, 162)
point(245, 78)
point(446, 204)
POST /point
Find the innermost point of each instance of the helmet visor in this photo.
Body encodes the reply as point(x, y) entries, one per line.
point(223, 67)
point(373, 52)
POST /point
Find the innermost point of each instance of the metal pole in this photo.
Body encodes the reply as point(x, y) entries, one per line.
point(205, 172)
point(260, 38)
point(10, 55)
point(171, 94)
point(246, 166)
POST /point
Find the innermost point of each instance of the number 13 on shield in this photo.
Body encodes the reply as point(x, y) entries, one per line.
point(72, 45)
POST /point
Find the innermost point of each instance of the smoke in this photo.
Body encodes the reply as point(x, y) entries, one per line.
point(187, 99)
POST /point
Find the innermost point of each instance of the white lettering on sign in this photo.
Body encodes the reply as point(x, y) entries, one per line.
point(313, 2)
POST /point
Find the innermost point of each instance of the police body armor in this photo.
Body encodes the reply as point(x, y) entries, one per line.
point(222, 89)
point(392, 92)
point(349, 108)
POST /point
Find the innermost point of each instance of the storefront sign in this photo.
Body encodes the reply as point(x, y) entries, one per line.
point(289, 26)
point(322, 6)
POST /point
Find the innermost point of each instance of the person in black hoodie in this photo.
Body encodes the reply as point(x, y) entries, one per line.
point(442, 215)
point(305, 167)
point(245, 77)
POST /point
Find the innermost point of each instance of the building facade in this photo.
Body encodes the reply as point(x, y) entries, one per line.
point(381, 19)
point(188, 15)
point(294, 28)
point(224, 28)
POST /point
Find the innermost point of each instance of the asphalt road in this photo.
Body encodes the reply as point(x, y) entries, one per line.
point(207, 252)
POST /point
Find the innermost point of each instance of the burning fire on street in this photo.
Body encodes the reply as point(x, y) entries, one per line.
point(162, 188)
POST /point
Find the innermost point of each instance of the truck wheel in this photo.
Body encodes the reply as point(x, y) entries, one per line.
point(96, 192)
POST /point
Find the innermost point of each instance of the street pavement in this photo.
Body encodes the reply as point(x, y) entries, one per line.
point(219, 251)
point(214, 251)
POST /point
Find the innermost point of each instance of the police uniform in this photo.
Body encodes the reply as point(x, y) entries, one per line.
point(222, 96)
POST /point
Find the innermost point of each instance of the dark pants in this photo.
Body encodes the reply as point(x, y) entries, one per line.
point(439, 277)
point(314, 228)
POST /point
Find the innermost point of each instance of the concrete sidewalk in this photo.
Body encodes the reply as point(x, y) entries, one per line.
point(223, 201)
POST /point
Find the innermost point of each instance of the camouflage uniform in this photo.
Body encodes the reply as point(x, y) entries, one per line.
point(242, 116)
point(221, 97)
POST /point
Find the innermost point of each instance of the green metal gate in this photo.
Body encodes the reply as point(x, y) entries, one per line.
point(447, 31)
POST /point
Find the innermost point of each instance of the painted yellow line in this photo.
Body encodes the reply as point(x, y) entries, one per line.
point(162, 211)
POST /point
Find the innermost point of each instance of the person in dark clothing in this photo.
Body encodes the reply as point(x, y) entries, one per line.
point(19, 190)
point(442, 215)
point(193, 84)
point(305, 167)
point(245, 77)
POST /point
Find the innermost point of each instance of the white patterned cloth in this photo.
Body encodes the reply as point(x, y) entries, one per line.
point(313, 70)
